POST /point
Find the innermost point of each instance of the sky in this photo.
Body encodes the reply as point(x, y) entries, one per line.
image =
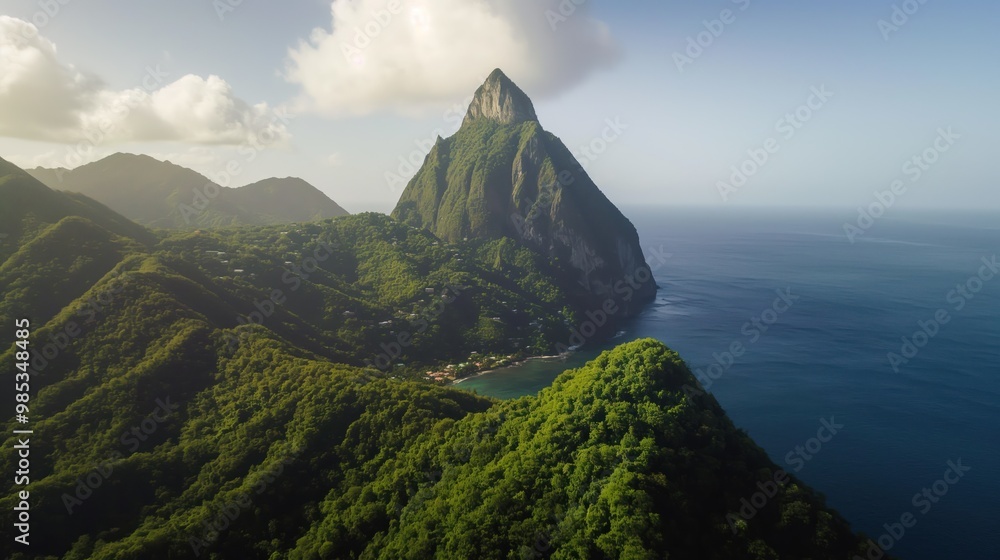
point(722, 103)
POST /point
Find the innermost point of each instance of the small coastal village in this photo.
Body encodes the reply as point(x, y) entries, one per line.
point(476, 365)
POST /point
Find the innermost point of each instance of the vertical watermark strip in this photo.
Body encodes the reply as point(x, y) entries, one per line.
point(22, 449)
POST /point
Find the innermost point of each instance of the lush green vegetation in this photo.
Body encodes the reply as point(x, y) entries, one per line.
point(167, 428)
point(615, 460)
point(498, 177)
point(357, 289)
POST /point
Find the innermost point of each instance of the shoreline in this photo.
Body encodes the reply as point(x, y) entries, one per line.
point(564, 355)
point(514, 364)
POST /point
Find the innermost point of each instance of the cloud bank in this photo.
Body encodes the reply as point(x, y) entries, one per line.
point(42, 98)
point(410, 54)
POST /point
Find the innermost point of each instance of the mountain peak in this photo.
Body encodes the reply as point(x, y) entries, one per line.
point(519, 182)
point(500, 100)
point(125, 156)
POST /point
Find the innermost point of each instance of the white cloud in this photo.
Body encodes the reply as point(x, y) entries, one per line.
point(42, 98)
point(335, 159)
point(407, 54)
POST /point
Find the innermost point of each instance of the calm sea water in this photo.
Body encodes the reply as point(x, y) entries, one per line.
point(825, 357)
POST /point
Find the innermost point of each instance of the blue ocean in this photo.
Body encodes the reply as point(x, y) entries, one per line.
point(893, 338)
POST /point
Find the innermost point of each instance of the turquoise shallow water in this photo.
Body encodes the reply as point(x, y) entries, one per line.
point(826, 356)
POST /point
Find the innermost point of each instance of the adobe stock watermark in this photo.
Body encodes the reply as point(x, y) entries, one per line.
point(802, 454)
point(590, 151)
point(586, 154)
point(423, 321)
point(543, 541)
point(93, 305)
point(914, 169)
point(752, 331)
point(536, 207)
point(787, 127)
point(523, 224)
point(228, 513)
point(41, 18)
point(77, 154)
point(462, 451)
point(411, 162)
point(796, 459)
point(625, 289)
point(292, 278)
point(567, 8)
point(414, 487)
point(901, 14)
point(959, 297)
point(697, 44)
point(224, 7)
point(131, 439)
point(922, 502)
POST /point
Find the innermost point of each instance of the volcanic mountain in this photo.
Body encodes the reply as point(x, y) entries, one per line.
point(503, 175)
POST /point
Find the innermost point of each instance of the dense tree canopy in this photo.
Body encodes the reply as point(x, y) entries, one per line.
point(208, 394)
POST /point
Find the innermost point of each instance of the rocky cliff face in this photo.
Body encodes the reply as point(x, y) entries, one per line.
point(501, 174)
point(501, 101)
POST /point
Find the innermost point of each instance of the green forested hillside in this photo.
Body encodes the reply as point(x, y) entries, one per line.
point(502, 175)
point(28, 207)
point(269, 455)
point(615, 460)
point(234, 394)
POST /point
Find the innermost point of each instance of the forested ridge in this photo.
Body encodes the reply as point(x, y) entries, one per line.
point(159, 194)
point(172, 422)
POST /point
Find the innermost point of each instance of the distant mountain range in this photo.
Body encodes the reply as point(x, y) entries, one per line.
point(160, 194)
